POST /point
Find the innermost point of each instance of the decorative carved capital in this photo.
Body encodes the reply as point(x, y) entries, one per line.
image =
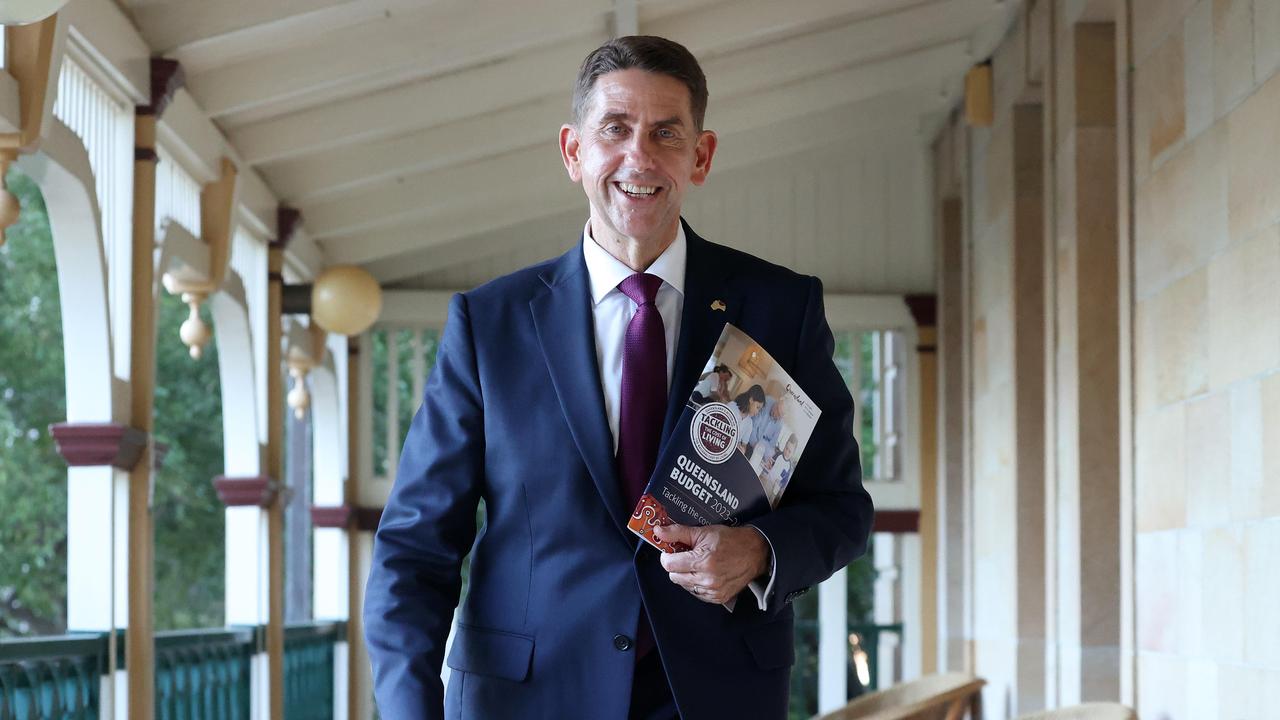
point(896, 521)
point(97, 444)
point(331, 516)
point(167, 78)
point(346, 517)
point(367, 518)
point(255, 490)
point(288, 220)
point(924, 309)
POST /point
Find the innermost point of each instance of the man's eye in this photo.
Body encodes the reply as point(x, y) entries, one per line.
point(666, 134)
point(613, 129)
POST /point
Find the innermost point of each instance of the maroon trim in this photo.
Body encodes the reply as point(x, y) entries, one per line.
point(256, 490)
point(896, 521)
point(167, 78)
point(924, 309)
point(331, 516)
point(367, 518)
point(97, 444)
point(288, 219)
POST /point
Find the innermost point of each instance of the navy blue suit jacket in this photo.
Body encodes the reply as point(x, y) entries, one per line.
point(513, 414)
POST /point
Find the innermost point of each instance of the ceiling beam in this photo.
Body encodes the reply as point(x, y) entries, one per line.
point(626, 18)
point(267, 39)
point(402, 48)
point(540, 73)
point(167, 25)
point(312, 177)
point(409, 107)
point(347, 168)
point(413, 198)
point(513, 203)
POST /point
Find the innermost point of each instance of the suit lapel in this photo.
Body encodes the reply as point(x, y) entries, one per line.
point(566, 333)
point(706, 281)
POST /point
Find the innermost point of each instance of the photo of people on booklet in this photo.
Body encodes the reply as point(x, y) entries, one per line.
point(735, 446)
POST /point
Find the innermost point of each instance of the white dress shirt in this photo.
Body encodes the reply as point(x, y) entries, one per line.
point(612, 312)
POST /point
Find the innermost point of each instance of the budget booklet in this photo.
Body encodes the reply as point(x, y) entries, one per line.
point(735, 446)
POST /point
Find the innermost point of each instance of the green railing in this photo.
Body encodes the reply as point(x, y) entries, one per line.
point(200, 674)
point(308, 670)
point(52, 678)
point(204, 673)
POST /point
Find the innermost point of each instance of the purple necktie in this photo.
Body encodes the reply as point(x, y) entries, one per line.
point(644, 403)
point(644, 387)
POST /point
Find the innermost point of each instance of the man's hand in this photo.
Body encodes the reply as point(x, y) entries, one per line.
point(721, 562)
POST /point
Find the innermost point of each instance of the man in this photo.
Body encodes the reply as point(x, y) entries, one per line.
point(768, 424)
point(553, 390)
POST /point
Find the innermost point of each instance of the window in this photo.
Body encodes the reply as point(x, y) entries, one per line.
point(872, 364)
point(401, 360)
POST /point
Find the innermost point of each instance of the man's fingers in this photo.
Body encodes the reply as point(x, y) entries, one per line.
point(681, 562)
point(700, 586)
point(676, 534)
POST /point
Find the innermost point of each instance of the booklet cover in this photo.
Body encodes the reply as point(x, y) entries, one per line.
point(732, 451)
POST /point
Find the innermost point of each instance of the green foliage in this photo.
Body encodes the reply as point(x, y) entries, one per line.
point(33, 477)
point(189, 518)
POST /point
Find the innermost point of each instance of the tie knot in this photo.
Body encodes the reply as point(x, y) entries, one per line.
point(642, 288)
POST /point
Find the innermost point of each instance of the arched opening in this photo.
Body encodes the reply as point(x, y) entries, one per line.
point(33, 477)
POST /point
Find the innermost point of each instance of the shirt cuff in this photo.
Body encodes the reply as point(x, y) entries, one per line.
point(758, 588)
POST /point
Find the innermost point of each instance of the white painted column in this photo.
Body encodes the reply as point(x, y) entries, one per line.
point(910, 562)
point(833, 642)
point(393, 401)
point(885, 610)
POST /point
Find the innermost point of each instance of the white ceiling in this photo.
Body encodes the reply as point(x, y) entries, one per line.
point(410, 132)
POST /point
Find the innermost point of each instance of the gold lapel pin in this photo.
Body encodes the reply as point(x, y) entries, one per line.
point(717, 305)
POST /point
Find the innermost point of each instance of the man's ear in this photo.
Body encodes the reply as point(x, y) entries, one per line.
point(569, 151)
point(703, 151)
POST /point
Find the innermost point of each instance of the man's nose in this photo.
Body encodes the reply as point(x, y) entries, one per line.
point(640, 152)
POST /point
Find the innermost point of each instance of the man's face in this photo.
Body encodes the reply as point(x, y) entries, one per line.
point(635, 151)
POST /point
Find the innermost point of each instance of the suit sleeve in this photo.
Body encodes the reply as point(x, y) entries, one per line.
point(426, 530)
point(824, 518)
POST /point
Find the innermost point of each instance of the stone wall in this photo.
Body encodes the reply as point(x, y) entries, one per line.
point(1206, 178)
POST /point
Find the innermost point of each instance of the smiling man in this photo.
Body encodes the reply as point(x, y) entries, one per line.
point(553, 392)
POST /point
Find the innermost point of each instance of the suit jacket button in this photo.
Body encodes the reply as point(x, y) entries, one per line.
point(622, 643)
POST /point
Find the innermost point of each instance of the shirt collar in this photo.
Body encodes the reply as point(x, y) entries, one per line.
point(606, 271)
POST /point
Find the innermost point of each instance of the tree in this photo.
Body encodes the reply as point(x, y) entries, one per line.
point(189, 518)
point(33, 477)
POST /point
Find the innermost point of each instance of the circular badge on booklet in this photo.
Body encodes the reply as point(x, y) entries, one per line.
point(714, 432)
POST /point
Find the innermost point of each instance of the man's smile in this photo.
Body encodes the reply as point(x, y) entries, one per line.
point(638, 191)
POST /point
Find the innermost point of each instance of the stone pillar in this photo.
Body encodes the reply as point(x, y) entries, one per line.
point(1082, 274)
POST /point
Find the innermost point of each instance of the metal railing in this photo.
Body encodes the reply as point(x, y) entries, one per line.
point(52, 678)
point(205, 673)
point(200, 674)
point(308, 670)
